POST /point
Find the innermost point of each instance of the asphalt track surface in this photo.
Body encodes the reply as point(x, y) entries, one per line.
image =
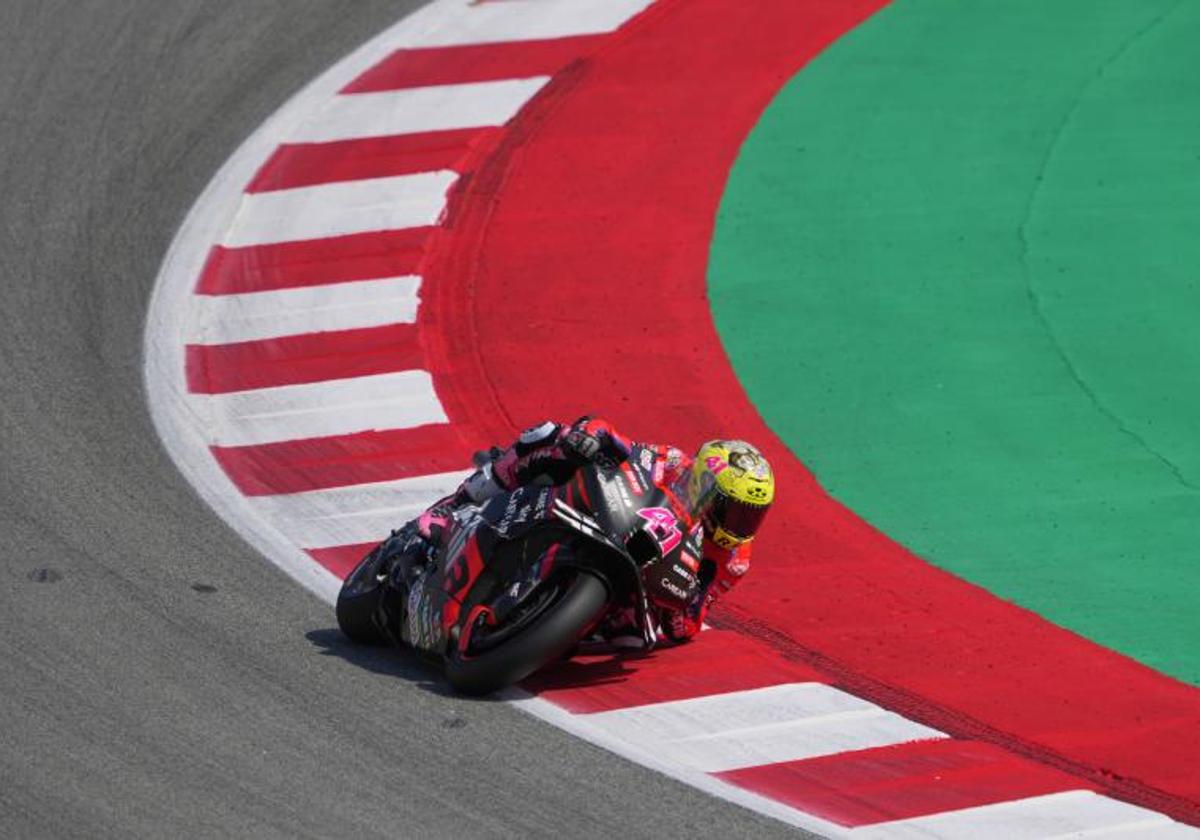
point(156, 677)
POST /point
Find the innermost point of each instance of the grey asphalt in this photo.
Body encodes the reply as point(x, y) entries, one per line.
point(157, 678)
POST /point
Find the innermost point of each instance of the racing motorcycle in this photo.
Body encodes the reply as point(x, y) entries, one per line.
point(516, 582)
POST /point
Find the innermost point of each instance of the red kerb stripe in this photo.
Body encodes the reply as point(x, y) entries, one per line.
point(340, 559)
point(317, 463)
point(472, 63)
point(903, 781)
point(305, 164)
point(295, 359)
point(715, 662)
point(313, 262)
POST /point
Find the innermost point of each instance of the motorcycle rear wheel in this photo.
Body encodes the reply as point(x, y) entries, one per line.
point(578, 603)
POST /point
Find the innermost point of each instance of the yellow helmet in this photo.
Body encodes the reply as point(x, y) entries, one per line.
point(745, 488)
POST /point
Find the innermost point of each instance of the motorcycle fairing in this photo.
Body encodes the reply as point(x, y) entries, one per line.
point(495, 555)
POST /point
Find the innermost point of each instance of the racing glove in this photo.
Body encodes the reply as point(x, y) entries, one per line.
point(580, 445)
point(590, 438)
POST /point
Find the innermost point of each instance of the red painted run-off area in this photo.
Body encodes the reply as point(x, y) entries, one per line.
point(599, 204)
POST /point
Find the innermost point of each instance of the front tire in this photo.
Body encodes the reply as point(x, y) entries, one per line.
point(359, 600)
point(551, 634)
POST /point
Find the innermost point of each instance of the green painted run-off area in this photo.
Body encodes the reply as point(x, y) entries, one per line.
point(957, 268)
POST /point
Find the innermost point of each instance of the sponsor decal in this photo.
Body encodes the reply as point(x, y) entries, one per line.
point(424, 631)
point(689, 560)
point(674, 588)
point(510, 508)
point(541, 504)
point(738, 565)
point(615, 494)
point(684, 572)
point(517, 511)
point(413, 612)
point(693, 547)
point(635, 480)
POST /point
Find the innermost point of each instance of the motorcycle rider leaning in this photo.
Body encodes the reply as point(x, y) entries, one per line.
point(552, 452)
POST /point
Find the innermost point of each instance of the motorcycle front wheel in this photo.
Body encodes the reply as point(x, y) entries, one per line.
point(359, 598)
point(550, 621)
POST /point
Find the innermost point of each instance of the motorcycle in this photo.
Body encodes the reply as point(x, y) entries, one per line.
point(517, 582)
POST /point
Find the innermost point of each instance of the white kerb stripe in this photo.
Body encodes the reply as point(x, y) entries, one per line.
point(320, 409)
point(760, 726)
point(355, 514)
point(522, 20)
point(338, 209)
point(222, 319)
point(1145, 831)
point(416, 110)
point(1076, 813)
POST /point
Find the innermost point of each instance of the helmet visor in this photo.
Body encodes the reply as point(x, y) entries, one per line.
point(697, 490)
point(737, 518)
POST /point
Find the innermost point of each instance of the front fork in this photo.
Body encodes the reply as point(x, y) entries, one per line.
point(403, 558)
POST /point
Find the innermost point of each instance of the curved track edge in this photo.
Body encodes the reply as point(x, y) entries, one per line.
point(491, 252)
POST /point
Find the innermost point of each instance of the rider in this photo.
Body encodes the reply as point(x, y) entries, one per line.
point(554, 451)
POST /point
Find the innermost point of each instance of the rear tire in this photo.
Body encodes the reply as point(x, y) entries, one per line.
point(551, 634)
point(359, 600)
